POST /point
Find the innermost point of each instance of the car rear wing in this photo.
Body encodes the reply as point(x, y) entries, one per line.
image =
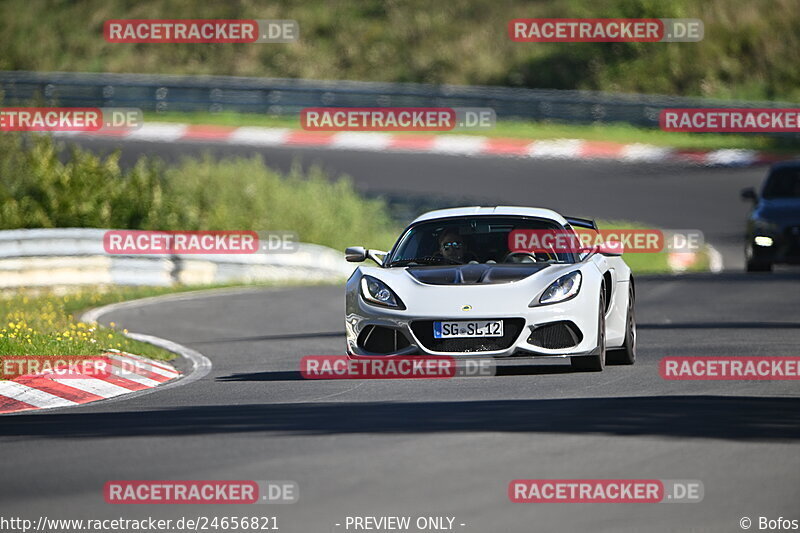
point(586, 223)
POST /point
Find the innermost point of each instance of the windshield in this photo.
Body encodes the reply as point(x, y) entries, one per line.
point(471, 240)
point(783, 183)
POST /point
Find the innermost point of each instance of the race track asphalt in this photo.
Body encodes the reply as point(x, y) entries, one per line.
point(450, 447)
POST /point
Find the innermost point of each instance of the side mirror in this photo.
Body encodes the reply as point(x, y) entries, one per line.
point(610, 249)
point(355, 254)
point(749, 194)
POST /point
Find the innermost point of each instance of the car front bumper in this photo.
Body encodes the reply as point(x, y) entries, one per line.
point(784, 246)
point(573, 322)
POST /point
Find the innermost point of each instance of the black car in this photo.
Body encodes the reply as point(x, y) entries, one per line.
point(773, 227)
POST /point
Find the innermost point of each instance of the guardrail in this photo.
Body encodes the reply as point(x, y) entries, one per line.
point(75, 256)
point(289, 96)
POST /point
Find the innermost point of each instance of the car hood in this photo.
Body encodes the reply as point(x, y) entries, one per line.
point(480, 274)
point(425, 299)
point(780, 210)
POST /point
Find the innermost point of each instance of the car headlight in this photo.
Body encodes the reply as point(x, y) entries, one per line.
point(562, 289)
point(375, 291)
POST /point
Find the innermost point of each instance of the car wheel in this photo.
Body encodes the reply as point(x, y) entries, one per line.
point(627, 354)
point(597, 361)
point(758, 266)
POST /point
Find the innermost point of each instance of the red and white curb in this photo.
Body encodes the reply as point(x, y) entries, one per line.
point(130, 373)
point(434, 144)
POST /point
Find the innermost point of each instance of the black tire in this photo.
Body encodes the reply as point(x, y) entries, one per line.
point(758, 266)
point(627, 354)
point(597, 361)
point(754, 263)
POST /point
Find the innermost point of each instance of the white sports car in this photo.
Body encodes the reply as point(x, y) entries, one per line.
point(454, 285)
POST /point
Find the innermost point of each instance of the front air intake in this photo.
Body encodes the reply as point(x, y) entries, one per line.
point(382, 340)
point(556, 335)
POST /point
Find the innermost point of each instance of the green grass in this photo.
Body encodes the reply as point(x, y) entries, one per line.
point(43, 325)
point(516, 129)
point(748, 50)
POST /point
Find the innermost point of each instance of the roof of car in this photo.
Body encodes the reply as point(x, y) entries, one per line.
point(507, 210)
point(791, 163)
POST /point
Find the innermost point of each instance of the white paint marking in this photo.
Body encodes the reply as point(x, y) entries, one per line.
point(259, 136)
point(145, 360)
point(715, 264)
point(158, 131)
point(356, 140)
point(141, 365)
point(731, 157)
point(98, 387)
point(458, 144)
point(558, 148)
point(645, 152)
point(136, 378)
point(29, 395)
point(201, 365)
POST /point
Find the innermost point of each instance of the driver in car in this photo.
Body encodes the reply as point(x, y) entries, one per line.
point(452, 247)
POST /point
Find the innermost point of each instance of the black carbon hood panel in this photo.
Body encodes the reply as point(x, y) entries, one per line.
point(474, 274)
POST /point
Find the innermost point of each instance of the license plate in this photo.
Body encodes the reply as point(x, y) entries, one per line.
point(467, 328)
